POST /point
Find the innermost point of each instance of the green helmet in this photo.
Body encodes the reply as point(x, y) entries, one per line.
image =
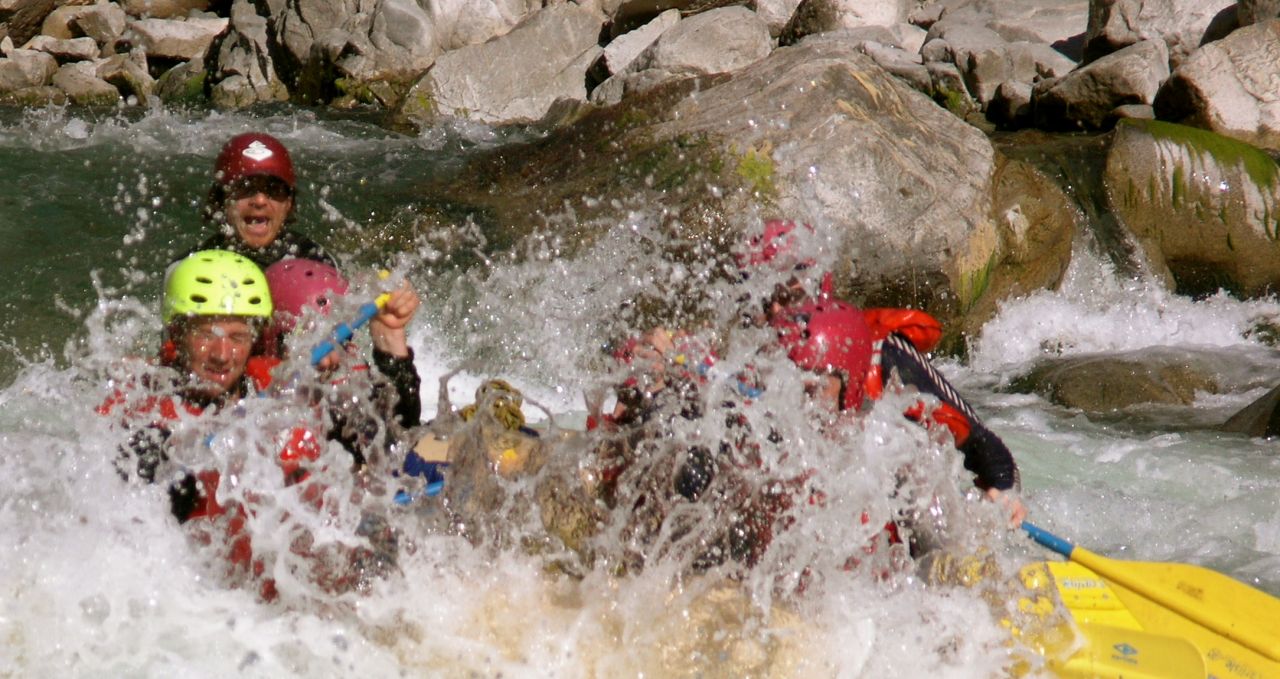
point(216, 283)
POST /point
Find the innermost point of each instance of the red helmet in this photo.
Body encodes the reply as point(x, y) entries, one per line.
point(254, 154)
point(297, 284)
point(829, 336)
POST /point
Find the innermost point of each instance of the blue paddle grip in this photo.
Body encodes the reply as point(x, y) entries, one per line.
point(1047, 539)
point(343, 332)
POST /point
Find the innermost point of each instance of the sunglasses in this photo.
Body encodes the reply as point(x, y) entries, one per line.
point(273, 187)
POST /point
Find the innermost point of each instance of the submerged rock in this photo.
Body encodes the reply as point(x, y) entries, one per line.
point(1102, 384)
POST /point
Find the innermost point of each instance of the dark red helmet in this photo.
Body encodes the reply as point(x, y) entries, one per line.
point(297, 284)
point(251, 155)
point(830, 337)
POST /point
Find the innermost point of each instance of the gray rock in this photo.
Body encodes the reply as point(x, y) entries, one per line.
point(1230, 87)
point(76, 49)
point(905, 65)
point(1135, 111)
point(1049, 22)
point(1048, 62)
point(182, 85)
point(6, 46)
point(1202, 207)
point(1181, 24)
point(60, 22)
point(960, 40)
point(173, 39)
point(128, 74)
point(719, 41)
point(525, 71)
point(776, 14)
point(813, 17)
point(35, 97)
point(1011, 104)
point(241, 70)
point(104, 22)
point(83, 86)
point(26, 68)
point(26, 18)
point(460, 24)
point(621, 51)
point(1086, 97)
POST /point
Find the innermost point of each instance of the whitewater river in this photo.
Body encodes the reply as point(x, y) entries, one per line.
point(97, 580)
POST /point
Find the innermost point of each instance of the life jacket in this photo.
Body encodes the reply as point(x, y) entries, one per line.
point(923, 332)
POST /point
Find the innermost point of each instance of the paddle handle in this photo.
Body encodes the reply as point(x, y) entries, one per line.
point(1049, 540)
point(344, 331)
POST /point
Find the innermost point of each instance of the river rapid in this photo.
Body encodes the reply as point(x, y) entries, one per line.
point(97, 580)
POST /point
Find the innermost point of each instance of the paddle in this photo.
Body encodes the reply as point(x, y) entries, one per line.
point(344, 331)
point(1219, 615)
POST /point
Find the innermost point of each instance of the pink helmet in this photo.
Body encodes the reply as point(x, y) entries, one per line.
point(254, 154)
point(300, 283)
point(829, 336)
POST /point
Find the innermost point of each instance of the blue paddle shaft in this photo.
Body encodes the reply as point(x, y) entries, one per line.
point(1047, 539)
point(343, 332)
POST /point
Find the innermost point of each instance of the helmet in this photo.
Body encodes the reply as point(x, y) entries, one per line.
point(216, 283)
point(297, 284)
point(254, 154)
point(829, 336)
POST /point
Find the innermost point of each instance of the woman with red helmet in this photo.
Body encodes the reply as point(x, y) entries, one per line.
point(253, 200)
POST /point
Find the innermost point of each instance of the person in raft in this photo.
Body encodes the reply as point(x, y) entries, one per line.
point(860, 352)
point(305, 290)
point(253, 200)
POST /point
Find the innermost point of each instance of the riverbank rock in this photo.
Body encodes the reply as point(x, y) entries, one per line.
point(178, 40)
point(513, 78)
point(1181, 24)
point(83, 86)
point(1205, 209)
point(1060, 24)
point(1087, 97)
point(1230, 87)
point(26, 68)
point(920, 209)
point(812, 17)
point(240, 71)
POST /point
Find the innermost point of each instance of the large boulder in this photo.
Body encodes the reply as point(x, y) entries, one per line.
point(179, 40)
point(1205, 209)
point(1181, 24)
point(83, 86)
point(64, 50)
point(820, 16)
point(718, 41)
point(1087, 97)
point(624, 49)
point(1052, 22)
point(917, 207)
point(1249, 12)
point(1230, 87)
point(1108, 383)
point(24, 69)
point(104, 22)
point(514, 78)
point(24, 19)
point(163, 9)
point(128, 73)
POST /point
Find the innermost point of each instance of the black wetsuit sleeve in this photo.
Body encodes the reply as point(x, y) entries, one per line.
point(148, 447)
point(984, 453)
point(403, 377)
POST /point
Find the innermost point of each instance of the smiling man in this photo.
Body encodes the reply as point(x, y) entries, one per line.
point(253, 200)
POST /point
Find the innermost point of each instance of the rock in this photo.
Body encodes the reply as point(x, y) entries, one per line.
point(173, 39)
point(719, 41)
point(1048, 22)
point(60, 22)
point(128, 74)
point(1230, 87)
point(959, 41)
point(26, 18)
point(1048, 62)
point(182, 85)
point(1086, 98)
point(26, 68)
point(1100, 384)
point(6, 46)
point(905, 65)
point(1260, 418)
point(76, 49)
point(474, 22)
point(904, 193)
point(526, 70)
point(1249, 12)
point(1203, 208)
point(83, 86)
point(1181, 24)
point(104, 22)
point(163, 9)
point(1137, 111)
point(812, 17)
point(624, 49)
point(776, 14)
point(36, 97)
point(241, 70)
point(1011, 105)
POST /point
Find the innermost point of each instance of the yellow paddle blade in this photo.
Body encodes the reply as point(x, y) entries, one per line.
point(1118, 653)
point(1236, 627)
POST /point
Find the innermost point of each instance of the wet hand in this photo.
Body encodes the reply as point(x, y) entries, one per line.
point(388, 327)
point(1012, 503)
